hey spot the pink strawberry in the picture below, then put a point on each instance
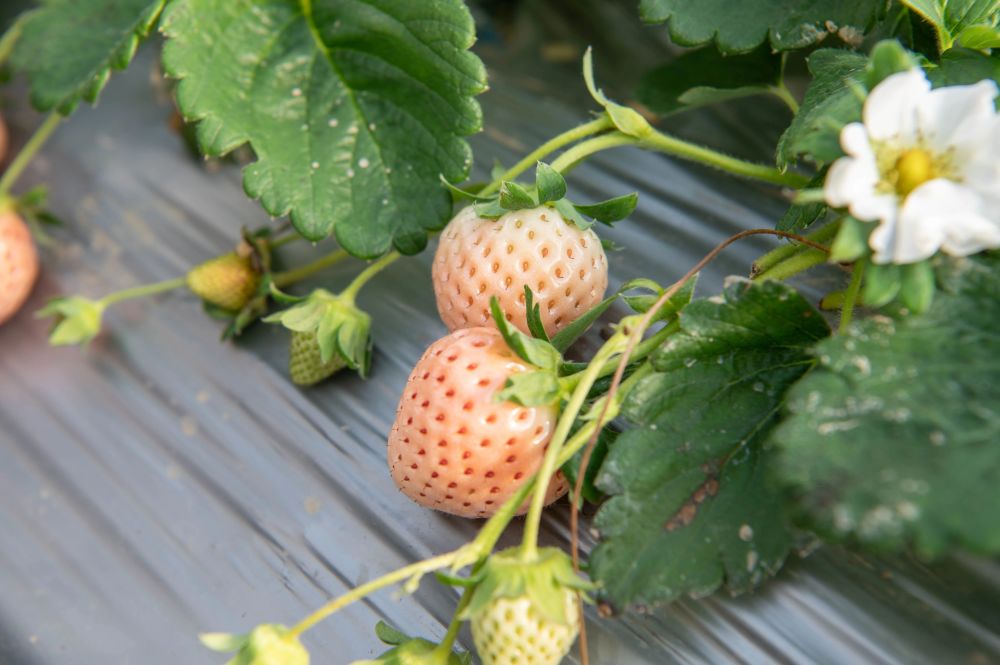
(478, 258)
(452, 447)
(18, 263)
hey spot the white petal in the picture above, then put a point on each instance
(883, 239)
(849, 179)
(854, 140)
(981, 171)
(957, 117)
(890, 111)
(941, 214)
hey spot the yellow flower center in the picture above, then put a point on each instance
(913, 168)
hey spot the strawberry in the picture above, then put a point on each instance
(453, 447)
(478, 258)
(525, 610)
(227, 281)
(305, 362)
(18, 263)
(267, 644)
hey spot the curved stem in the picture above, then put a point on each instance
(782, 92)
(443, 650)
(418, 568)
(367, 274)
(24, 157)
(9, 39)
(572, 136)
(282, 279)
(144, 290)
(529, 545)
(851, 297)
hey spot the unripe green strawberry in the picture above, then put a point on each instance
(305, 362)
(526, 611)
(227, 281)
(267, 644)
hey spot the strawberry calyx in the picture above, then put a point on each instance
(412, 651)
(267, 644)
(341, 329)
(543, 578)
(77, 319)
(549, 191)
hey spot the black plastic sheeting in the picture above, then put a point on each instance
(163, 484)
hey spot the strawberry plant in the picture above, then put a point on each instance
(713, 433)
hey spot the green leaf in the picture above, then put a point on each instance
(961, 66)
(892, 440)
(627, 120)
(353, 110)
(515, 197)
(550, 184)
(389, 635)
(78, 320)
(979, 37)
(69, 47)
(692, 502)
(738, 27)
(538, 352)
(887, 58)
(951, 17)
(831, 101)
(851, 242)
(610, 211)
(706, 76)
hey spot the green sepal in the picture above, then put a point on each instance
(627, 120)
(537, 388)
(282, 297)
(887, 58)
(533, 313)
(78, 320)
(550, 184)
(918, 286)
(459, 194)
(641, 303)
(537, 352)
(851, 243)
(267, 644)
(514, 197)
(610, 211)
(490, 209)
(411, 651)
(882, 284)
(341, 327)
(544, 580)
(565, 208)
(564, 339)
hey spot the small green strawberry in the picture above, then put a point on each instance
(227, 281)
(305, 362)
(338, 329)
(526, 611)
(412, 651)
(267, 644)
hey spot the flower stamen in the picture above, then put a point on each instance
(913, 168)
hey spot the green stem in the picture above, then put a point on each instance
(20, 162)
(284, 240)
(9, 39)
(782, 92)
(443, 650)
(794, 265)
(418, 568)
(282, 279)
(709, 157)
(529, 545)
(786, 251)
(643, 349)
(367, 274)
(143, 291)
(851, 297)
(569, 159)
(572, 136)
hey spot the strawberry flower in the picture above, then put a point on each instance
(923, 164)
